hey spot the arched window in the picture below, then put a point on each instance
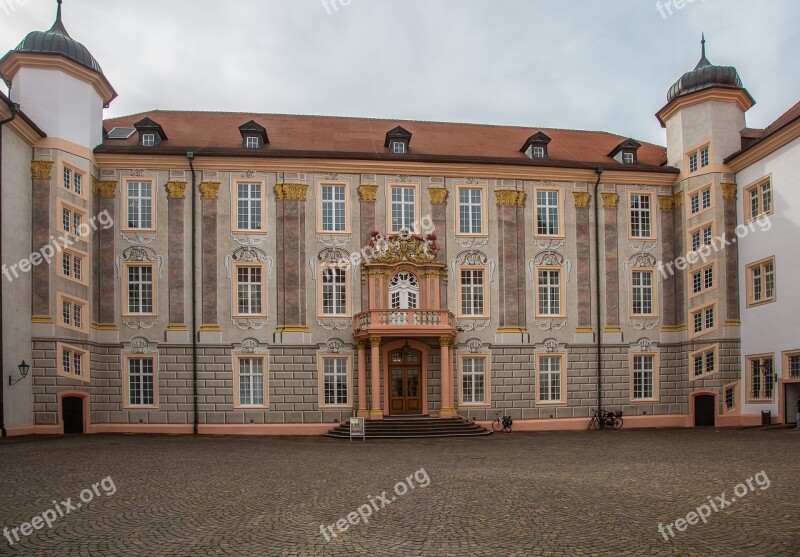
(404, 291)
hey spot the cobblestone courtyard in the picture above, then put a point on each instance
(569, 494)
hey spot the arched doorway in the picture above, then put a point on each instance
(72, 414)
(704, 410)
(405, 381)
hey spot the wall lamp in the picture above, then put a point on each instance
(23, 373)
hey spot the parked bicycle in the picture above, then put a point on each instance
(605, 420)
(503, 423)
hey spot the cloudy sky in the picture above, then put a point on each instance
(579, 64)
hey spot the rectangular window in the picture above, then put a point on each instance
(642, 293)
(695, 203)
(761, 377)
(472, 292)
(730, 398)
(706, 198)
(148, 140)
(473, 380)
(627, 158)
(253, 142)
(641, 205)
(67, 179)
(249, 290)
(335, 375)
(141, 382)
(704, 158)
(398, 147)
(643, 377)
(71, 220)
(704, 362)
(703, 320)
(251, 381)
(334, 291)
(758, 200)
(139, 200)
(703, 280)
(548, 292)
(537, 152)
(73, 362)
(761, 282)
(334, 208)
(72, 312)
(403, 208)
(249, 206)
(550, 378)
(548, 213)
(470, 211)
(72, 265)
(792, 365)
(693, 162)
(140, 289)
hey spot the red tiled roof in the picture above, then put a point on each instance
(757, 136)
(787, 117)
(218, 133)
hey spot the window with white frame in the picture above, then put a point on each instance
(548, 291)
(703, 280)
(73, 312)
(642, 292)
(472, 292)
(141, 382)
(334, 207)
(71, 220)
(72, 265)
(761, 282)
(251, 381)
(148, 139)
(550, 378)
(335, 374)
(73, 362)
(73, 180)
(252, 142)
(704, 158)
(703, 320)
(249, 206)
(140, 289)
(334, 291)
(758, 200)
(643, 377)
(139, 199)
(628, 158)
(641, 219)
(470, 210)
(473, 380)
(404, 207)
(704, 362)
(398, 147)
(249, 284)
(762, 377)
(548, 213)
(537, 152)
(693, 162)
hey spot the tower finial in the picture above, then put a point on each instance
(702, 42)
(58, 14)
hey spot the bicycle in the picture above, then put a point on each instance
(502, 424)
(605, 420)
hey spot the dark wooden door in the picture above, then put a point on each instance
(72, 414)
(704, 411)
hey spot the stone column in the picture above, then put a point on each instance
(103, 264)
(291, 201)
(209, 194)
(583, 266)
(731, 257)
(176, 201)
(368, 195)
(666, 204)
(376, 413)
(448, 409)
(610, 201)
(438, 195)
(510, 212)
(363, 410)
(680, 276)
(41, 172)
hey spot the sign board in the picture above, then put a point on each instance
(358, 428)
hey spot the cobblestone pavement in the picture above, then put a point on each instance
(559, 494)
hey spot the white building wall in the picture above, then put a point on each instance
(16, 223)
(62, 106)
(772, 328)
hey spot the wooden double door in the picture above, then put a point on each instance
(405, 382)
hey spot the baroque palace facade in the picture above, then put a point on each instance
(268, 274)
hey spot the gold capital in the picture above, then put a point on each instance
(176, 190)
(728, 191)
(360, 345)
(582, 198)
(666, 202)
(610, 200)
(41, 170)
(106, 189)
(209, 190)
(445, 341)
(368, 192)
(375, 341)
(291, 192)
(678, 200)
(438, 196)
(510, 197)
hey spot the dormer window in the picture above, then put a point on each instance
(151, 134)
(398, 141)
(254, 135)
(536, 146)
(626, 152)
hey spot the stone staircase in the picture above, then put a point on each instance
(413, 427)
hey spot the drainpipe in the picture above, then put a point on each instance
(190, 156)
(599, 171)
(14, 110)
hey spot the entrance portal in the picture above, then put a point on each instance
(704, 411)
(72, 414)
